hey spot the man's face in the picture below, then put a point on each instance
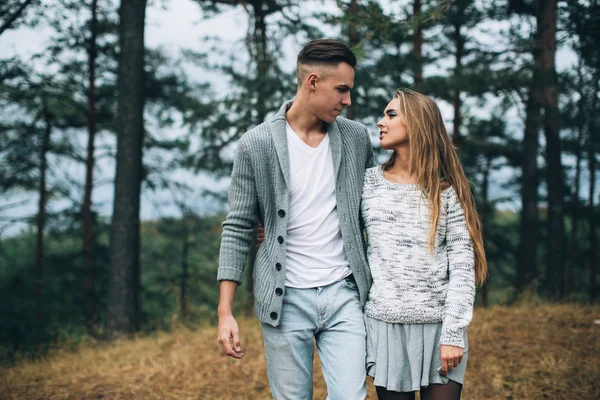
(331, 93)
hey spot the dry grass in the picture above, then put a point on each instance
(547, 352)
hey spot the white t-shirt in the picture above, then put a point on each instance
(315, 250)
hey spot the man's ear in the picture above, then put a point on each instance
(311, 81)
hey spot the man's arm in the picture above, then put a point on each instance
(236, 240)
(238, 227)
(228, 331)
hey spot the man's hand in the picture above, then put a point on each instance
(228, 333)
(229, 336)
(451, 357)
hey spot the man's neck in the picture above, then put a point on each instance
(302, 121)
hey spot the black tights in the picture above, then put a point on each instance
(449, 391)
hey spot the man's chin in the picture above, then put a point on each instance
(330, 119)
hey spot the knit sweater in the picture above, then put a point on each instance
(412, 285)
(260, 189)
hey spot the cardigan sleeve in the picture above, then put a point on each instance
(238, 227)
(370, 157)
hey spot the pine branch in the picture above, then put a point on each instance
(15, 16)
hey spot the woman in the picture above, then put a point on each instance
(425, 252)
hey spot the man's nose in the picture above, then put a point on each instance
(346, 100)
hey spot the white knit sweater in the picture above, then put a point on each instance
(410, 284)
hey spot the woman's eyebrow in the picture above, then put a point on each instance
(389, 111)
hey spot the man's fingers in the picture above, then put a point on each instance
(237, 345)
(226, 345)
(230, 343)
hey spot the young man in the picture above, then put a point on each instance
(301, 175)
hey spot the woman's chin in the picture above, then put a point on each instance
(384, 145)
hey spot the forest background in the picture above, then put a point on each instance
(119, 121)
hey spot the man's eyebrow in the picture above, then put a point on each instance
(343, 87)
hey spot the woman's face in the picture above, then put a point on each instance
(392, 131)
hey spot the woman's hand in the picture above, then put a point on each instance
(260, 236)
(451, 357)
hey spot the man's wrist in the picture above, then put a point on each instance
(224, 312)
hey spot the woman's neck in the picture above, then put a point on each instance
(400, 171)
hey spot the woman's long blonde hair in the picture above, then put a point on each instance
(435, 162)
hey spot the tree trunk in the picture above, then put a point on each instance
(528, 269)
(41, 219)
(262, 57)
(485, 217)
(555, 264)
(89, 285)
(418, 44)
(353, 41)
(573, 248)
(124, 273)
(592, 187)
(459, 43)
(184, 269)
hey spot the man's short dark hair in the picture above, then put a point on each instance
(326, 52)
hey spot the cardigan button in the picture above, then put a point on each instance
(274, 315)
(281, 213)
(278, 267)
(279, 291)
(280, 239)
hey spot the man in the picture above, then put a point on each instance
(301, 175)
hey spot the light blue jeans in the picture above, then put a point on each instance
(333, 317)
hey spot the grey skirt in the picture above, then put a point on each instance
(406, 357)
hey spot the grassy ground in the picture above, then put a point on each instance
(546, 352)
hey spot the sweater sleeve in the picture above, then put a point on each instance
(238, 227)
(458, 308)
(370, 157)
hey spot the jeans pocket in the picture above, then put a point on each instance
(350, 282)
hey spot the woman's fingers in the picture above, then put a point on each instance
(451, 356)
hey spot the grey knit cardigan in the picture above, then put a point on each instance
(259, 188)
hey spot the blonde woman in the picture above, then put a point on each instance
(425, 253)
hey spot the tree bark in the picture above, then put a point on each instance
(124, 273)
(528, 268)
(41, 219)
(456, 100)
(89, 285)
(573, 247)
(592, 189)
(418, 44)
(353, 41)
(555, 264)
(485, 217)
(184, 269)
(262, 57)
